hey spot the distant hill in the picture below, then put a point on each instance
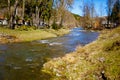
(70, 20)
(78, 18)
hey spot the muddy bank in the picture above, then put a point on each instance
(4, 38)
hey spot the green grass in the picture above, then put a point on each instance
(88, 62)
(33, 34)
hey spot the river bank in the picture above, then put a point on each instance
(29, 58)
(10, 36)
(99, 60)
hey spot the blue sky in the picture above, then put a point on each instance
(99, 6)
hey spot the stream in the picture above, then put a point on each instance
(23, 61)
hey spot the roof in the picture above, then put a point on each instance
(2, 17)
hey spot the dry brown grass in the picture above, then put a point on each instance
(91, 61)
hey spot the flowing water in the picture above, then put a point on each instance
(23, 61)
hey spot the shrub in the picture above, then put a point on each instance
(55, 26)
(26, 28)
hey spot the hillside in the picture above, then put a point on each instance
(99, 60)
(78, 18)
(69, 19)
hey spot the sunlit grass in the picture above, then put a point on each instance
(33, 34)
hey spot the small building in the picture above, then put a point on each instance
(3, 20)
(104, 23)
(107, 25)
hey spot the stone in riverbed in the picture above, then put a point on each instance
(28, 59)
(16, 67)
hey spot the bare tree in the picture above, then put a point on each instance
(88, 14)
(60, 7)
(92, 12)
(63, 6)
(101, 9)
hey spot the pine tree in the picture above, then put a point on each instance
(115, 15)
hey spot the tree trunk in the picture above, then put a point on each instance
(9, 6)
(9, 12)
(13, 15)
(61, 21)
(37, 21)
(23, 11)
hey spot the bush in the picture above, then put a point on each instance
(55, 26)
(26, 28)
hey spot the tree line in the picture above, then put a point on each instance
(45, 11)
(42, 10)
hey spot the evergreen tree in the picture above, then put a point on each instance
(109, 10)
(115, 15)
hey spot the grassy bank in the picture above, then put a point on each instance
(21, 36)
(99, 60)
